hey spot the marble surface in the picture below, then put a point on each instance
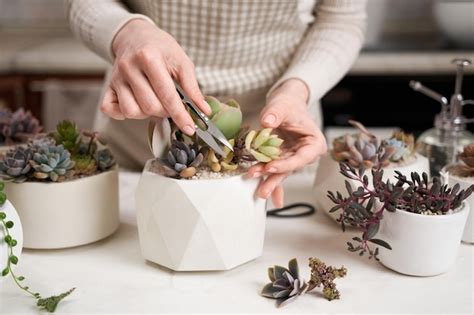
(43, 54)
(112, 277)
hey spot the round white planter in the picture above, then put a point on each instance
(422, 245)
(16, 232)
(193, 225)
(67, 214)
(451, 180)
(328, 178)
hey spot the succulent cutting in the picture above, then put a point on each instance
(365, 149)
(62, 155)
(187, 156)
(17, 127)
(466, 166)
(365, 206)
(286, 284)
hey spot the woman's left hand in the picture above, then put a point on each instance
(287, 112)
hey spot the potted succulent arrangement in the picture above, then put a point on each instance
(16, 128)
(362, 149)
(195, 209)
(64, 186)
(417, 222)
(462, 174)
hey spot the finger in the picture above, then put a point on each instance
(304, 156)
(278, 196)
(273, 114)
(188, 81)
(268, 185)
(164, 88)
(127, 103)
(110, 106)
(144, 94)
(256, 170)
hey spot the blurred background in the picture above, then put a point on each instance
(44, 69)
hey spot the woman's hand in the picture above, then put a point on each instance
(147, 61)
(287, 111)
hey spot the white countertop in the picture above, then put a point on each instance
(23, 52)
(112, 277)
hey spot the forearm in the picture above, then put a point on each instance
(96, 22)
(329, 48)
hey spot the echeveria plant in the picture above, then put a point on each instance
(17, 127)
(466, 166)
(365, 206)
(62, 155)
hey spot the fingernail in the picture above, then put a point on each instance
(188, 130)
(272, 170)
(269, 119)
(256, 174)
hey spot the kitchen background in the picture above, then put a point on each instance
(43, 68)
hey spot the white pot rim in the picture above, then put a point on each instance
(434, 217)
(113, 169)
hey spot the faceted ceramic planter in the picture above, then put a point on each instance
(328, 178)
(205, 224)
(422, 245)
(67, 214)
(464, 182)
(16, 232)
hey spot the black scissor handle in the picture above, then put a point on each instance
(288, 211)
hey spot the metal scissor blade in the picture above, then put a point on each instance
(217, 134)
(210, 141)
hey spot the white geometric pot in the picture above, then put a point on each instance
(67, 214)
(464, 183)
(422, 245)
(16, 232)
(205, 224)
(328, 178)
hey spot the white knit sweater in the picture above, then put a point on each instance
(240, 45)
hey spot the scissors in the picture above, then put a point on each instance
(211, 135)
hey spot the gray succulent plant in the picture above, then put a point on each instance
(104, 159)
(15, 165)
(181, 160)
(18, 127)
(52, 162)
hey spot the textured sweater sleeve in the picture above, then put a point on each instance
(96, 22)
(329, 47)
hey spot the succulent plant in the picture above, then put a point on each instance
(52, 162)
(226, 116)
(84, 164)
(15, 165)
(262, 146)
(286, 284)
(68, 135)
(361, 149)
(18, 127)
(181, 160)
(322, 275)
(403, 145)
(466, 167)
(364, 207)
(104, 159)
(226, 163)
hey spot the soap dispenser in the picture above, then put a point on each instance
(442, 143)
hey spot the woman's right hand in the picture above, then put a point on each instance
(147, 60)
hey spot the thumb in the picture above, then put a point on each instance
(273, 114)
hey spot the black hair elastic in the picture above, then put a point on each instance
(288, 211)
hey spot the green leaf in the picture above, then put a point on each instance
(5, 272)
(2, 186)
(279, 271)
(372, 230)
(381, 243)
(20, 278)
(8, 239)
(3, 215)
(14, 260)
(271, 274)
(3, 198)
(51, 303)
(9, 224)
(268, 290)
(293, 267)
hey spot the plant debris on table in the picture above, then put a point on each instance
(286, 284)
(50, 303)
(364, 207)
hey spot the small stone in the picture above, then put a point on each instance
(216, 167)
(188, 172)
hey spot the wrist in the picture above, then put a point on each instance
(294, 88)
(126, 32)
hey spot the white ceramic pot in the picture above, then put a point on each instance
(67, 214)
(464, 183)
(194, 225)
(422, 245)
(328, 178)
(16, 232)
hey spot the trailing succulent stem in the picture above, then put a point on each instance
(48, 304)
(364, 207)
(286, 284)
